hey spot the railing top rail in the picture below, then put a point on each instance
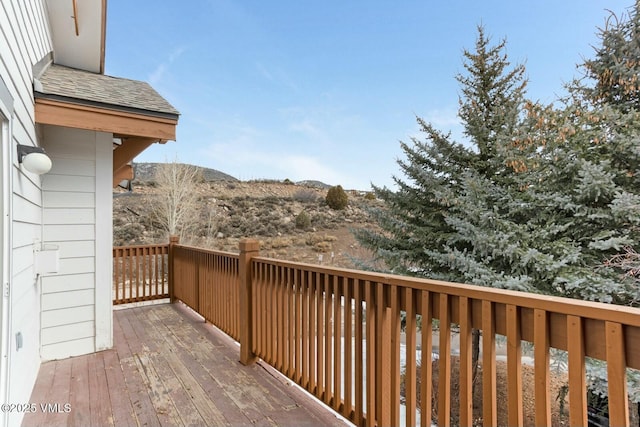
(208, 251)
(158, 245)
(569, 306)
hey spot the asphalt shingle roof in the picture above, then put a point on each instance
(114, 92)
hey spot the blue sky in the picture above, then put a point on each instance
(325, 90)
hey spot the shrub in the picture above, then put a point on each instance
(369, 196)
(305, 196)
(303, 221)
(337, 198)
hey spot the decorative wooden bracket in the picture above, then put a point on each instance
(125, 153)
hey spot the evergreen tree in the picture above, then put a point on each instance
(440, 223)
(436, 223)
(542, 198)
(616, 66)
(583, 165)
(544, 195)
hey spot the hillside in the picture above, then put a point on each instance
(231, 210)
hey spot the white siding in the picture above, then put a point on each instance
(77, 217)
(24, 40)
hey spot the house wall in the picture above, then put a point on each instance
(24, 41)
(76, 301)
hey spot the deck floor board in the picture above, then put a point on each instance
(169, 368)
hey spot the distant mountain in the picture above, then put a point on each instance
(314, 184)
(145, 172)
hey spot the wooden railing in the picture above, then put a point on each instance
(208, 282)
(140, 273)
(337, 333)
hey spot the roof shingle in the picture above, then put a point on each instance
(114, 92)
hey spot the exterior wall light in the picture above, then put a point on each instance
(34, 159)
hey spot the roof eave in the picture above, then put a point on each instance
(120, 121)
(106, 106)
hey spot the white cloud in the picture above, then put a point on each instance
(443, 119)
(277, 75)
(301, 167)
(264, 72)
(244, 159)
(158, 73)
(307, 128)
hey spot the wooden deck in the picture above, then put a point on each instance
(168, 368)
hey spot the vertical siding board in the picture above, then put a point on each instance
(23, 41)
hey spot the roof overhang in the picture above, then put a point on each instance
(78, 33)
(135, 130)
(121, 123)
(132, 111)
(75, 93)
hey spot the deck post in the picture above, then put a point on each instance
(249, 248)
(173, 240)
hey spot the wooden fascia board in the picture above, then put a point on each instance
(58, 113)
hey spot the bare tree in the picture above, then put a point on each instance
(176, 208)
(629, 262)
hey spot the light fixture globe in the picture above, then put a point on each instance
(38, 163)
(34, 159)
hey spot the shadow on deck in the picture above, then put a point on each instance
(168, 368)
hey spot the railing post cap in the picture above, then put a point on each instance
(174, 239)
(249, 245)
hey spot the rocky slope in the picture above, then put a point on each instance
(230, 210)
